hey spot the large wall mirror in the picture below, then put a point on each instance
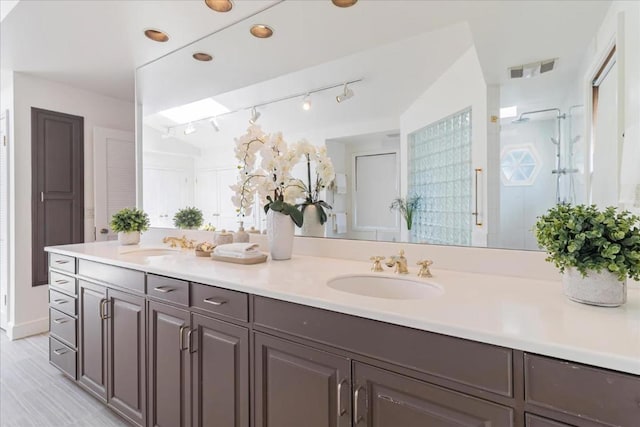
(477, 108)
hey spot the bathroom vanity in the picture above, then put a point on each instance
(168, 339)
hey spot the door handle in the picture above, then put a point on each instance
(356, 415)
(190, 340)
(163, 289)
(60, 321)
(341, 411)
(104, 231)
(215, 301)
(42, 196)
(103, 309)
(181, 337)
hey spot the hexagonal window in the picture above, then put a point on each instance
(519, 165)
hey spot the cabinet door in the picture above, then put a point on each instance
(92, 343)
(296, 385)
(169, 366)
(127, 356)
(385, 399)
(220, 363)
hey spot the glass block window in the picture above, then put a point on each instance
(519, 165)
(440, 172)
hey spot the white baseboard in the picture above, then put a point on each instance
(22, 330)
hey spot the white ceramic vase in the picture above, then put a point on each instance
(602, 289)
(129, 238)
(280, 231)
(311, 226)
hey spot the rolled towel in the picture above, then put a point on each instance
(238, 250)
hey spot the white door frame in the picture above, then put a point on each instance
(5, 293)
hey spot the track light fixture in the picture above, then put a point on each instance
(346, 94)
(255, 115)
(189, 129)
(214, 124)
(306, 104)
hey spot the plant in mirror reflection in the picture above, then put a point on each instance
(407, 208)
(324, 175)
(272, 180)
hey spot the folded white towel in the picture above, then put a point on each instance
(238, 250)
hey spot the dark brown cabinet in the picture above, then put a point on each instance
(112, 349)
(385, 399)
(169, 366)
(220, 365)
(296, 385)
(92, 346)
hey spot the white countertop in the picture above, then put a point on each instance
(529, 315)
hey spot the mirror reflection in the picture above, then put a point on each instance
(471, 113)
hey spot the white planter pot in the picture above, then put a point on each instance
(602, 289)
(280, 230)
(311, 226)
(129, 238)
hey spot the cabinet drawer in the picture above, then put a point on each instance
(62, 283)
(168, 289)
(535, 421)
(63, 327)
(62, 262)
(118, 276)
(63, 357)
(220, 301)
(62, 302)
(482, 366)
(585, 392)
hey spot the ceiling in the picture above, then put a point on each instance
(97, 44)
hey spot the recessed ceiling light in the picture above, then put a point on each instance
(344, 3)
(156, 35)
(261, 31)
(201, 56)
(219, 5)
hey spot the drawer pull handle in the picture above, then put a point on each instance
(61, 282)
(60, 321)
(356, 395)
(163, 289)
(60, 301)
(62, 261)
(61, 351)
(341, 410)
(215, 301)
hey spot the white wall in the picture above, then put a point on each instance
(6, 231)
(30, 313)
(461, 86)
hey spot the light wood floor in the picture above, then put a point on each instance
(35, 394)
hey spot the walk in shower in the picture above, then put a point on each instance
(540, 166)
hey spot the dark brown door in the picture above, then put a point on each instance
(386, 399)
(220, 363)
(169, 366)
(57, 158)
(127, 355)
(296, 385)
(92, 343)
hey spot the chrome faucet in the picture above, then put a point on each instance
(399, 263)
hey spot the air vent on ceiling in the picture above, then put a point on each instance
(533, 69)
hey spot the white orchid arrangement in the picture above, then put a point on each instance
(272, 181)
(324, 175)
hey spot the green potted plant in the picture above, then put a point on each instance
(407, 208)
(129, 223)
(595, 250)
(188, 218)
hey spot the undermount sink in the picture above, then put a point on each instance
(148, 251)
(371, 285)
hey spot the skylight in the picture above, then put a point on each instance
(194, 111)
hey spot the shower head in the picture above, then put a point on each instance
(520, 120)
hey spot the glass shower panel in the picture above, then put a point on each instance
(440, 172)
